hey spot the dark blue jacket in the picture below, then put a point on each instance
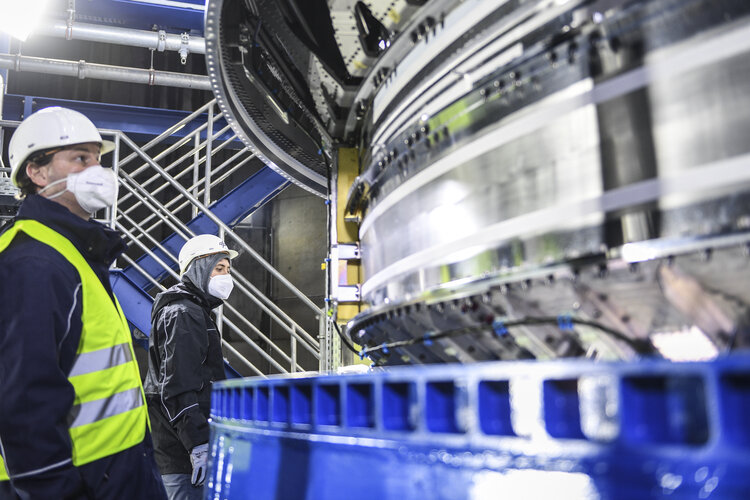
(40, 328)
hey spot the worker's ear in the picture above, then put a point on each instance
(39, 174)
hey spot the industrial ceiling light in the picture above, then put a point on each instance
(18, 19)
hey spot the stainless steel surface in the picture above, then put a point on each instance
(554, 171)
(622, 143)
(522, 161)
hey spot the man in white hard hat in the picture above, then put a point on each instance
(184, 359)
(73, 419)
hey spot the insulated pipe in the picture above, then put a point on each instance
(82, 69)
(157, 40)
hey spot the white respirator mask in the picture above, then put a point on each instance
(95, 188)
(220, 286)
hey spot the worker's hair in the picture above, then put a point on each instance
(40, 158)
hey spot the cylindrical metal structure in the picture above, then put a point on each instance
(527, 156)
(540, 178)
(157, 40)
(83, 69)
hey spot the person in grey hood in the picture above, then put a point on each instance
(184, 359)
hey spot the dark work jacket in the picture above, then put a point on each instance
(184, 359)
(40, 329)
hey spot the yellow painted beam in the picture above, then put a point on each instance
(348, 171)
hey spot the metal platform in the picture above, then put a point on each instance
(531, 430)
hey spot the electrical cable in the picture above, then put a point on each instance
(564, 322)
(343, 338)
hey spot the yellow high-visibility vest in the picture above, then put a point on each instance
(109, 410)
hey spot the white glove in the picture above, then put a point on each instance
(199, 460)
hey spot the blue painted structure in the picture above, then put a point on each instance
(532, 430)
(135, 303)
(231, 209)
(137, 122)
(140, 15)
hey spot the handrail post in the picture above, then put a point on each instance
(324, 341)
(209, 152)
(220, 307)
(196, 170)
(293, 347)
(116, 170)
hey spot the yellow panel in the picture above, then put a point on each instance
(353, 276)
(348, 171)
(345, 312)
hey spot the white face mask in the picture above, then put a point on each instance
(220, 286)
(94, 188)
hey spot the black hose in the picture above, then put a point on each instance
(343, 339)
(640, 346)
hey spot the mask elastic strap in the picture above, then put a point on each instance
(52, 184)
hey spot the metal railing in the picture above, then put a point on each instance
(143, 195)
(195, 152)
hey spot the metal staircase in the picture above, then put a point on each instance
(166, 188)
(176, 200)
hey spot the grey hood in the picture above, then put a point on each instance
(198, 275)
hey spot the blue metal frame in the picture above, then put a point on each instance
(231, 209)
(531, 430)
(135, 303)
(139, 15)
(137, 122)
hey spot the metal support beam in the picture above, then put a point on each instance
(172, 16)
(138, 122)
(135, 302)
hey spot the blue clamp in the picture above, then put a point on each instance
(384, 348)
(565, 322)
(427, 338)
(361, 354)
(499, 328)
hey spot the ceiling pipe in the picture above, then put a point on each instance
(157, 40)
(82, 69)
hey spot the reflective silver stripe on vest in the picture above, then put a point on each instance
(95, 361)
(93, 411)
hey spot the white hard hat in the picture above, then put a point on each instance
(200, 246)
(50, 128)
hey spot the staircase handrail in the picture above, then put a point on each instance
(228, 231)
